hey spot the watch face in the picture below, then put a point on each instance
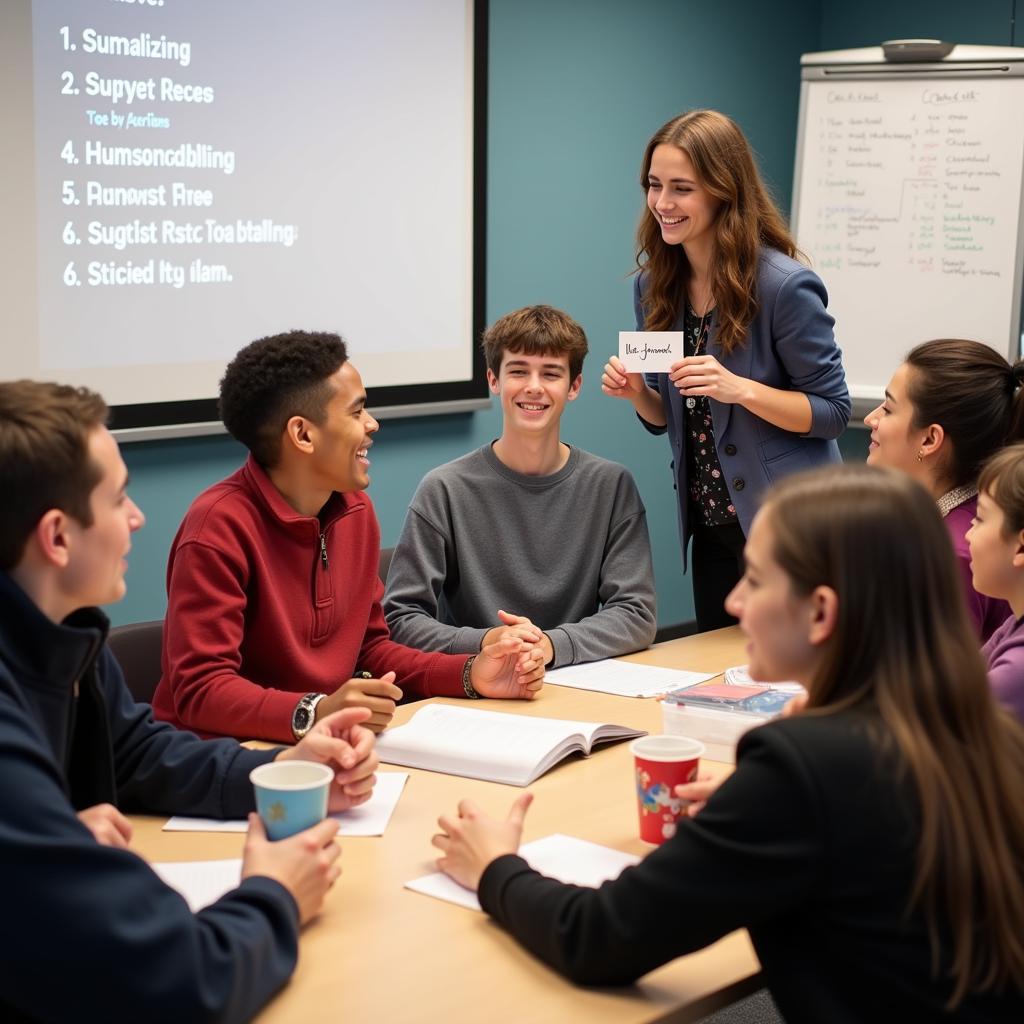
(300, 720)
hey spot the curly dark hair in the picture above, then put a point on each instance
(273, 379)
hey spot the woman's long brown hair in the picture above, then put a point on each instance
(747, 220)
(904, 651)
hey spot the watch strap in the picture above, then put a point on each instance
(467, 685)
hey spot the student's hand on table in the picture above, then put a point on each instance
(617, 383)
(705, 375)
(522, 628)
(698, 792)
(379, 695)
(471, 840)
(508, 668)
(342, 742)
(306, 864)
(108, 825)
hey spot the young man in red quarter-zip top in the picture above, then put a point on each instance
(273, 616)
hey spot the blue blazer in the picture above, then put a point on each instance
(789, 345)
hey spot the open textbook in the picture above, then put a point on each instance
(490, 745)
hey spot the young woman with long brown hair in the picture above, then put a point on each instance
(873, 843)
(948, 408)
(760, 392)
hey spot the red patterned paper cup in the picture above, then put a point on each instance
(662, 763)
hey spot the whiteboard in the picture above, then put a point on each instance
(907, 201)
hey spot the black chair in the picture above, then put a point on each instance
(386, 555)
(137, 649)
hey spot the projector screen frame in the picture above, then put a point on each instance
(188, 417)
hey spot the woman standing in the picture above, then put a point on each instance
(949, 407)
(872, 844)
(761, 391)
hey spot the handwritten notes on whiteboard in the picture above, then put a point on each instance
(908, 205)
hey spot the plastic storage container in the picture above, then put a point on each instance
(718, 730)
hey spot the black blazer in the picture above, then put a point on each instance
(810, 845)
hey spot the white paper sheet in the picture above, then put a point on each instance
(201, 882)
(558, 856)
(369, 819)
(650, 351)
(625, 678)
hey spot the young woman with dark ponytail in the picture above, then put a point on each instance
(948, 408)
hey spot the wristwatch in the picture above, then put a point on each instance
(304, 715)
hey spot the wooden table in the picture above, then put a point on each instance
(381, 953)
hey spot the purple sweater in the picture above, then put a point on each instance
(1004, 656)
(987, 613)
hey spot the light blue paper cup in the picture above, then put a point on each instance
(291, 796)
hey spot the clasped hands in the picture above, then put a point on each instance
(519, 627)
(510, 664)
(511, 659)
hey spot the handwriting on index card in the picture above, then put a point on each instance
(650, 351)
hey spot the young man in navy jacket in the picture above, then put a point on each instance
(76, 752)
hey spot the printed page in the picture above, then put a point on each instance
(369, 819)
(566, 858)
(201, 882)
(624, 679)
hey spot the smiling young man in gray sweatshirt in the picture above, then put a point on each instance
(527, 535)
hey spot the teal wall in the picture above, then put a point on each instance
(575, 91)
(981, 22)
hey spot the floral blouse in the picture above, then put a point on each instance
(709, 499)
